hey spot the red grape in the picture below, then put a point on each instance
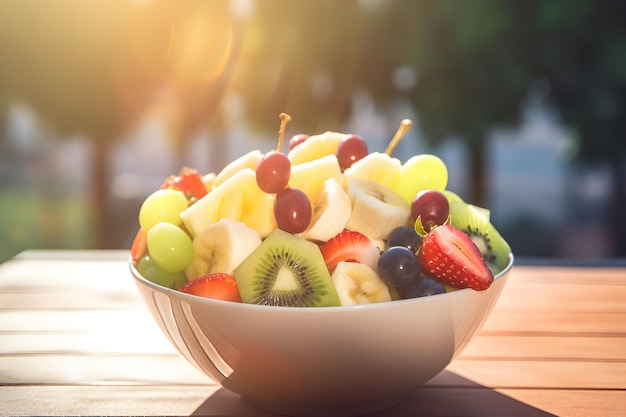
(292, 210)
(351, 149)
(297, 139)
(273, 172)
(432, 207)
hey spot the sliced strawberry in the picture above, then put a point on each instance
(217, 286)
(189, 181)
(349, 246)
(140, 245)
(450, 256)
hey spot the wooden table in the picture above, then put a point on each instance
(75, 339)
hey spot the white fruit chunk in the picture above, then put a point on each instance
(310, 176)
(357, 283)
(238, 198)
(248, 160)
(331, 212)
(377, 167)
(376, 209)
(221, 247)
(315, 147)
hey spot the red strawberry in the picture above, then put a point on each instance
(140, 245)
(449, 255)
(189, 181)
(217, 286)
(349, 246)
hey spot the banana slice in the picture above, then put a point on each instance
(249, 160)
(221, 247)
(331, 212)
(316, 147)
(310, 176)
(376, 209)
(238, 198)
(377, 167)
(208, 180)
(357, 283)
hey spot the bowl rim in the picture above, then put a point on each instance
(190, 297)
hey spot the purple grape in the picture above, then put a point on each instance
(398, 266)
(405, 236)
(423, 287)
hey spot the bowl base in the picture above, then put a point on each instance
(332, 410)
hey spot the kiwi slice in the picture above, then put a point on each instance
(455, 198)
(452, 197)
(286, 270)
(475, 222)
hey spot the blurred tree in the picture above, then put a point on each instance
(580, 49)
(477, 59)
(94, 68)
(313, 56)
(469, 58)
(302, 58)
(475, 63)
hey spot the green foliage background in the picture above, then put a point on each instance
(475, 61)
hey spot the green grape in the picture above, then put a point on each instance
(151, 271)
(170, 247)
(421, 172)
(143, 264)
(173, 280)
(162, 206)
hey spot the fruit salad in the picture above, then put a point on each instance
(325, 222)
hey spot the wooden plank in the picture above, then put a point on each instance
(211, 401)
(555, 344)
(98, 369)
(169, 369)
(174, 400)
(553, 374)
(555, 323)
(92, 255)
(568, 275)
(561, 297)
(104, 332)
(70, 300)
(102, 343)
(63, 275)
(573, 403)
(106, 329)
(557, 348)
(90, 321)
(64, 285)
(561, 301)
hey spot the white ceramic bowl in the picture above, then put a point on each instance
(321, 361)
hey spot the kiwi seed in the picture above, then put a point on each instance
(286, 270)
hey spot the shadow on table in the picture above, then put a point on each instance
(448, 394)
